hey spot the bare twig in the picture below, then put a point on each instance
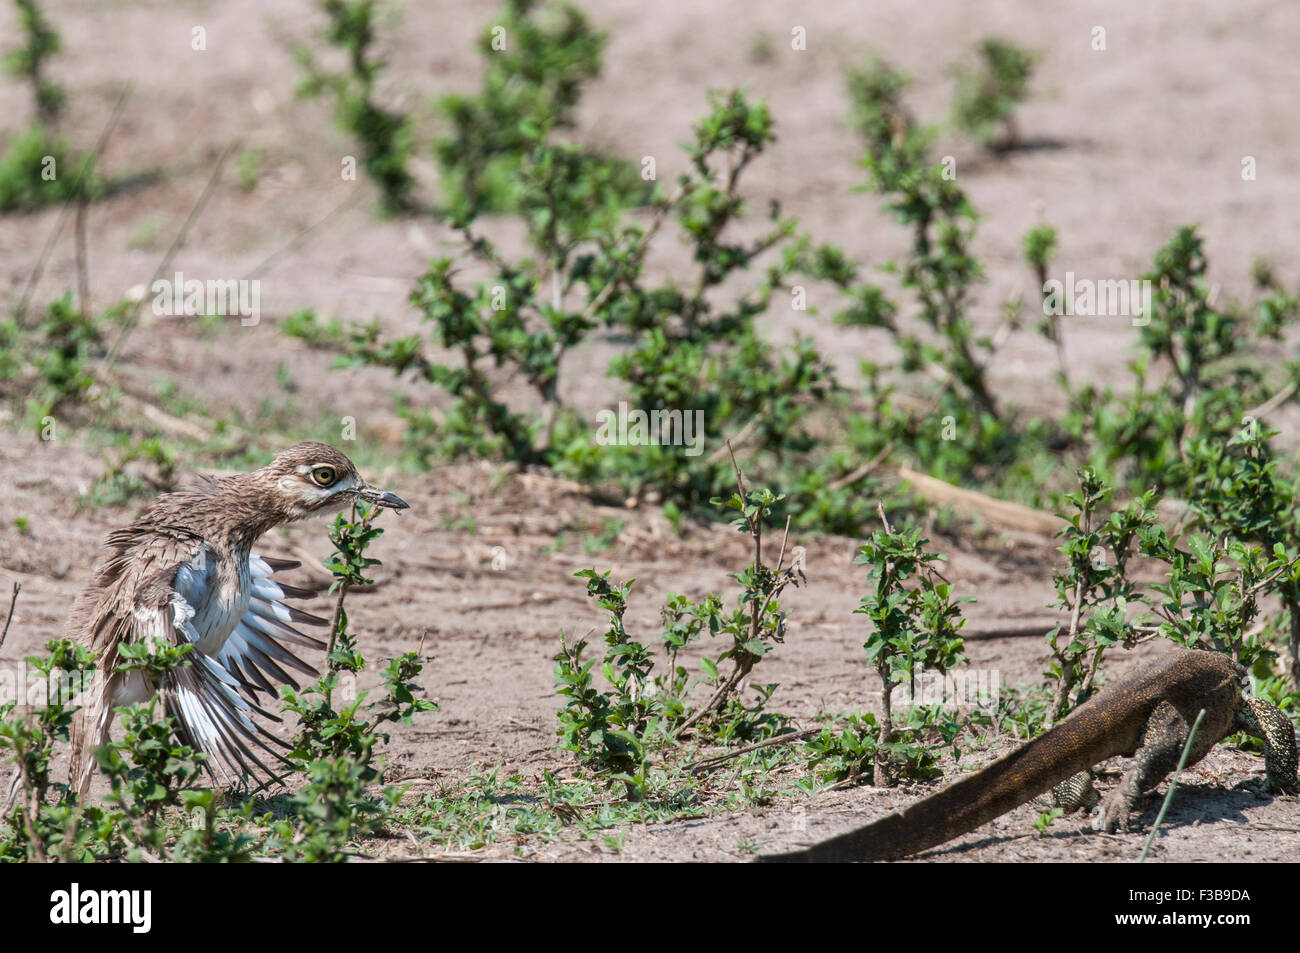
(1265, 583)
(303, 234)
(448, 857)
(740, 480)
(854, 476)
(780, 558)
(884, 520)
(1274, 402)
(13, 599)
(132, 317)
(34, 278)
(716, 761)
(1008, 632)
(83, 262)
(736, 440)
(726, 688)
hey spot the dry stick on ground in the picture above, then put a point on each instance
(132, 317)
(712, 762)
(35, 277)
(1008, 632)
(972, 503)
(175, 426)
(854, 476)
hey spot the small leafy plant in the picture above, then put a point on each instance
(615, 729)
(334, 746)
(30, 60)
(1095, 590)
(384, 136)
(35, 826)
(914, 629)
(984, 104)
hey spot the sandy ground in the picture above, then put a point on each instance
(1131, 142)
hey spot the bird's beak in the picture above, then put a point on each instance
(372, 494)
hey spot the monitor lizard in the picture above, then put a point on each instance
(1147, 714)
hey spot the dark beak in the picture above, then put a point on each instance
(372, 494)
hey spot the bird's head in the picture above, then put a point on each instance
(313, 478)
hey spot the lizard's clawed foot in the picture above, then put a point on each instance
(1262, 787)
(1114, 815)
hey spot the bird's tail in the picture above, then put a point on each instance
(1074, 745)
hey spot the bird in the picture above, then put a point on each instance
(185, 571)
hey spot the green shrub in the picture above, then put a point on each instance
(38, 170)
(986, 98)
(538, 57)
(29, 60)
(914, 630)
(384, 136)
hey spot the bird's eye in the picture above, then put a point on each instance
(324, 476)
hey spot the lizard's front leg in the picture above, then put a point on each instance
(1076, 793)
(1162, 745)
(1264, 721)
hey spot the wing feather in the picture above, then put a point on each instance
(153, 589)
(254, 654)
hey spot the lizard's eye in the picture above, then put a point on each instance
(324, 476)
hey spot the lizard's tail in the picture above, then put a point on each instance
(1074, 745)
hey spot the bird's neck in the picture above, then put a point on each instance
(248, 510)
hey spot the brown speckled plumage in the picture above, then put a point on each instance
(1148, 715)
(185, 571)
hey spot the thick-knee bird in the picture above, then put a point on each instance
(185, 572)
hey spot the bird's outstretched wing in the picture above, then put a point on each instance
(158, 591)
(255, 649)
(214, 700)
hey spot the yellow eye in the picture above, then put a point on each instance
(324, 476)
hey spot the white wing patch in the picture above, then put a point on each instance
(239, 634)
(254, 651)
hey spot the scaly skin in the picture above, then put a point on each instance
(1147, 715)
